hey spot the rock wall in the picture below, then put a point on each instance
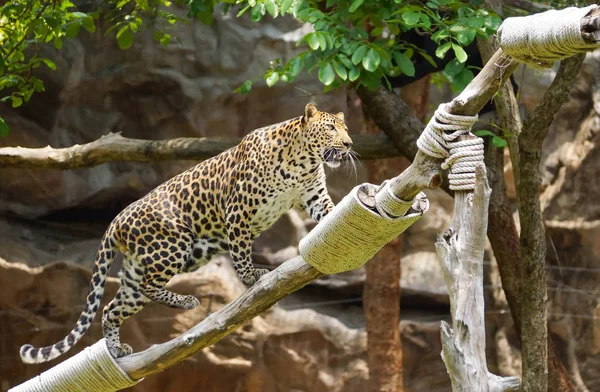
(51, 221)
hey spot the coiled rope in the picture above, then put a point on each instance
(541, 39)
(92, 370)
(441, 139)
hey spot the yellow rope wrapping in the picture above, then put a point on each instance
(92, 370)
(360, 232)
(541, 39)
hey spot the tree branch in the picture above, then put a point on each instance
(534, 331)
(114, 147)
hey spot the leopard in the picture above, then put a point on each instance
(219, 205)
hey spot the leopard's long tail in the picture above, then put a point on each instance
(104, 259)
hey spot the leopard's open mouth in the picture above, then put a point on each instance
(334, 157)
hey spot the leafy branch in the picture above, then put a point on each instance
(361, 42)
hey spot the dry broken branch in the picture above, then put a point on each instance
(114, 147)
(460, 250)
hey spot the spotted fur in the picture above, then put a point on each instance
(219, 205)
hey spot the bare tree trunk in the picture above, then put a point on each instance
(381, 298)
(381, 295)
(502, 230)
(534, 331)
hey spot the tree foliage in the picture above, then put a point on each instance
(362, 42)
(354, 41)
(26, 26)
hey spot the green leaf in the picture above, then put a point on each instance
(242, 11)
(257, 12)
(295, 66)
(49, 63)
(313, 41)
(354, 73)
(344, 60)
(492, 22)
(376, 31)
(322, 41)
(340, 70)
(371, 80)
(465, 37)
(484, 132)
(371, 60)
(272, 78)
(460, 81)
(441, 50)
(359, 54)
(425, 21)
(460, 53)
(165, 40)
(205, 17)
(244, 88)
(320, 24)
(88, 23)
(411, 18)
(72, 29)
(496, 140)
(355, 5)
(285, 6)
(406, 66)
(326, 74)
(125, 38)
(429, 59)
(57, 42)
(499, 142)
(453, 68)
(3, 128)
(16, 101)
(271, 8)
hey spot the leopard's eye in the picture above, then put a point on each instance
(332, 128)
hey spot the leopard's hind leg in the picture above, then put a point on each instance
(128, 301)
(161, 265)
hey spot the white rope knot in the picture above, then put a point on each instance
(541, 39)
(440, 140)
(92, 370)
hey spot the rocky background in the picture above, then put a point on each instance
(314, 340)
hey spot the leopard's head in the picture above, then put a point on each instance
(326, 135)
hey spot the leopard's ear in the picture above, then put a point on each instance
(309, 111)
(340, 115)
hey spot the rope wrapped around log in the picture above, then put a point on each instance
(92, 370)
(541, 39)
(361, 230)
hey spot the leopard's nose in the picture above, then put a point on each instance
(347, 144)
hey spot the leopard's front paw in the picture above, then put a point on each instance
(258, 272)
(253, 275)
(248, 279)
